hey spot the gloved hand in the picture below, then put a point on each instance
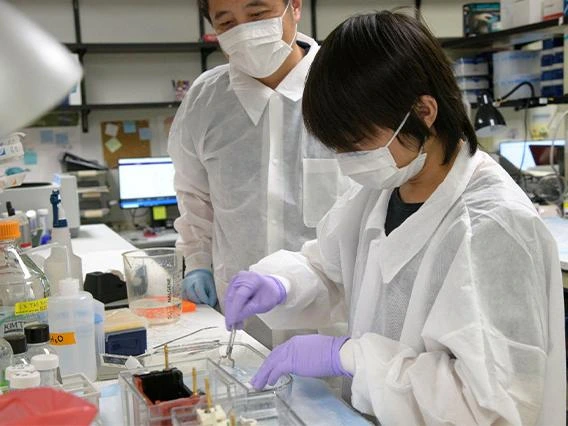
(250, 293)
(199, 287)
(312, 355)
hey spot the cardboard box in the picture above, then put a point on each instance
(479, 18)
(552, 9)
(516, 13)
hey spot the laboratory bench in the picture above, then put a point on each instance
(100, 249)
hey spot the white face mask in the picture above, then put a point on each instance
(256, 48)
(377, 168)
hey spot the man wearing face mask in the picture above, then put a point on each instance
(249, 179)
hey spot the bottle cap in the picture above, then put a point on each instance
(69, 287)
(25, 379)
(17, 368)
(17, 341)
(36, 333)
(45, 362)
(9, 229)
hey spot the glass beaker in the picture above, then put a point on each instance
(153, 283)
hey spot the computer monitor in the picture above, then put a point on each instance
(532, 155)
(146, 182)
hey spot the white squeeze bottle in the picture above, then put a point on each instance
(60, 260)
(72, 330)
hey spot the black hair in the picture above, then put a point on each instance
(370, 72)
(204, 8)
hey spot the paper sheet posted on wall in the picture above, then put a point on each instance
(145, 134)
(43, 148)
(111, 129)
(129, 126)
(30, 157)
(46, 136)
(61, 139)
(113, 145)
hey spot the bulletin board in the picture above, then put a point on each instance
(125, 139)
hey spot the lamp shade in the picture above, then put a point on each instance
(488, 120)
(36, 71)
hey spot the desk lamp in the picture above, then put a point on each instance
(488, 120)
(36, 71)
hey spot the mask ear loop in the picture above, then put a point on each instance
(397, 131)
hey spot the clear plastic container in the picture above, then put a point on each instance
(72, 329)
(266, 410)
(140, 411)
(23, 286)
(79, 385)
(247, 361)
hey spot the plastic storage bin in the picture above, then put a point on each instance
(247, 362)
(79, 385)
(138, 410)
(266, 410)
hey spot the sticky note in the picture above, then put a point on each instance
(30, 157)
(159, 213)
(46, 136)
(61, 139)
(111, 129)
(129, 127)
(145, 133)
(113, 145)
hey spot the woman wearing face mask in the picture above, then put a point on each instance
(249, 178)
(449, 279)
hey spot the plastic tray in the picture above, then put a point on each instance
(267, 410)
(79, 385)
(139, 411)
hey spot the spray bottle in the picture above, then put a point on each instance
(62, 262)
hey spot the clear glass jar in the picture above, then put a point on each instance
(37, 338)
(23, 286)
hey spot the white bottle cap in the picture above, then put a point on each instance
(17, 369)
(25, 379)
(45, 362)
(69, 287)
(43, 212)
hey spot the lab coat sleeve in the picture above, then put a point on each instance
(487, 340)
(314, 284)
(195, 223)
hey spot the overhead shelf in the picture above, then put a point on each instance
(532, 102)
(83, 48)
(506, 38)
(101, 107)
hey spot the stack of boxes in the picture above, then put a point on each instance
(513, 67)
(472, 76)
(552, 67)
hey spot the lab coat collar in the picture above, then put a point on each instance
(254, 96)
(401, 245)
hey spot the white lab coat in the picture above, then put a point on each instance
(249, 178)
(456, 317)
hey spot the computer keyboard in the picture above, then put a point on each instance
(160, 238)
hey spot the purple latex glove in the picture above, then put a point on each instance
(312, 355)
(250, 293)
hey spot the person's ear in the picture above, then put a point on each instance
(296, 6)
(427, 109)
